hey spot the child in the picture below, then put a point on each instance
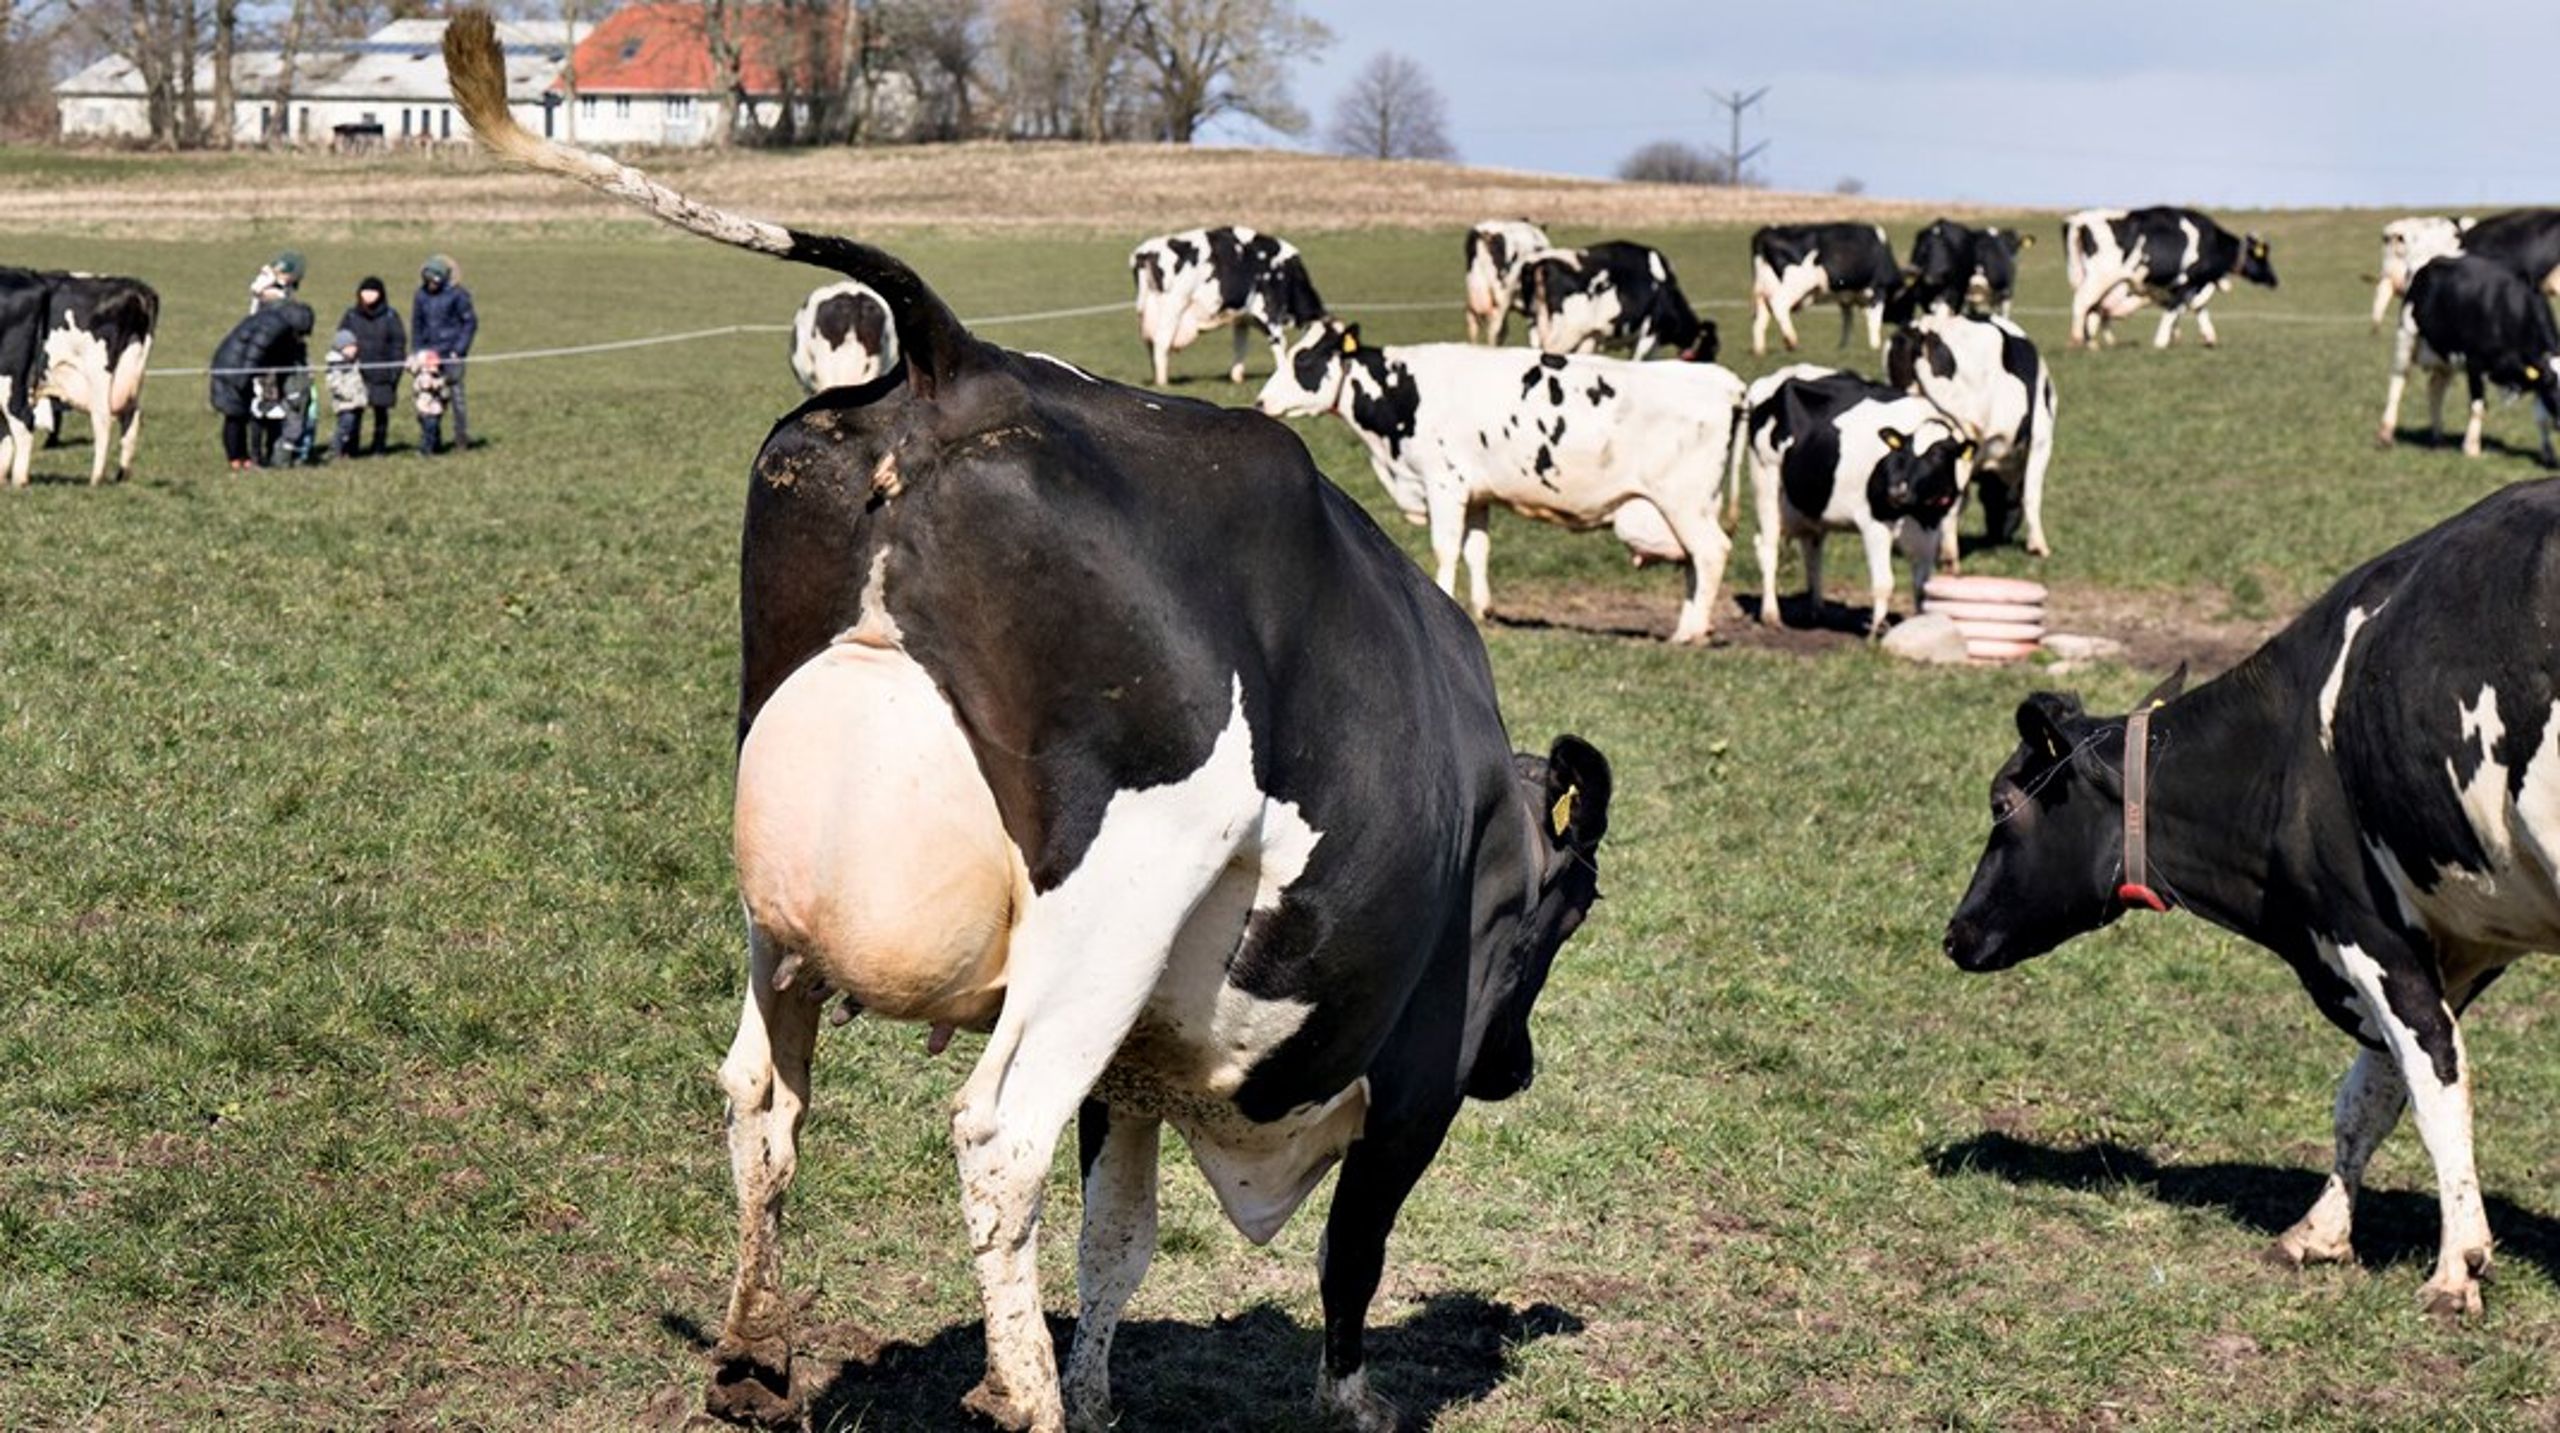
(429, 386)
(346, 391)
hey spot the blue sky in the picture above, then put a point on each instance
(2452, 103)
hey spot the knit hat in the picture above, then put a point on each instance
(288, 265)
(343, 338)
(373, 282)
(437, 266)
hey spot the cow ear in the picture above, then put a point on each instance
(2045, 723)
(2167, 691)
(2026, 241)
(1577, 796)
(1965, 454)
(1893, 441)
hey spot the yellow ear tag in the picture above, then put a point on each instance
(2532, 374)
(1561, 814)
(1893, 441)
(1350, 343)
(2052, 748)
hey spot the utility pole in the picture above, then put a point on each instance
(1735, 156)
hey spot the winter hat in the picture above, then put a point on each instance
(373, 282)
(288, 266)
(436, 267)
(343, 338)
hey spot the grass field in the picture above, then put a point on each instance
(368, 941)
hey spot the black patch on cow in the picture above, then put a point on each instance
(836, 316)
(1551, 360)
(2527, 241)
(1544, 464)
(1601, 392)
(1386, 407)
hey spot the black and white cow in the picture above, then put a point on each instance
(1612, 294)
(2408, 245)
(2474, 314)
(1212, 824)
(2525, 240)
(1455, 429)
(91, 347)
(1956, 269)
(1200, 279)
(2374, 796)
(842, 337)
(1985, 373)
(1850, 265)
(2176, 258)
(1831, 451)
(1496, 250)
(23, 295)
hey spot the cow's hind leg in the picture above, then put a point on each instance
(102, 440)
(1235, 370)
(1377, 1174)
(1119, 1152)
(2479, 411)
(2369, 1102)
(767, 1079)
(131, 444)
(1477, 547)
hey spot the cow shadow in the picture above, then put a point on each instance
(1588, 626)
(2392, 1226)
(1252, 1372)
(2451, 440)
(1799, 614)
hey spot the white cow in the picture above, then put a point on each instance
(1453, 429)
(1496, 249)
(842, 337)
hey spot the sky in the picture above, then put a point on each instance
(2438, 103)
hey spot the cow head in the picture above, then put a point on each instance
(2055, 859)
(2257, 262)
(1922, 473)
(1566, 793)
(1313, 377)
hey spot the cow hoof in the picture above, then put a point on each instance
(2471, 450)
(1094, 1417)
(751, 1384)
(2039, 549)
(2385, 438)
(2453, 1302)
(1351, 1403)
(2302, 1245)
(1006, 1411)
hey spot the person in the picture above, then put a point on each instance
(281, 274)
(262, 345)
(442, 322)
(348, 393)
(382, 348)
(428, 390)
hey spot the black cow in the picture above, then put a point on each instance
(1212, 821)
(91, 347)
(1614, 294)
(2525, 240)
(2371, 796)
(2473, 313)
(1955, 269)
(1794, 264)
(2176, 258)
(23, 296)
(1202, 279)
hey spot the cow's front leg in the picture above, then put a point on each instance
(2168, 331)
(1377, 1174)
(2404, 351)
(1764, 538)
(1119, 1154)
(1812, 544)
(766, 1076)
(1875, 325)
(1235, 370)
(1759, 319)
(1476, 547)
(1160, 352)
(2479, 411)
(2369, 1103)
(1950, 547)
(132, 442)
(2438, 380)
(1448, 531)
(1878, 543)
(102, 440)
(1784, 307)
(2204, 328)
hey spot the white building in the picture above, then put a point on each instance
(387, 88)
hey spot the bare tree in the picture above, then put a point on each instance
(1104, 31)
(721, 31)
(226, 29)
(1668, 161)
(1215, 57)
(1391, 111)
(288, 59)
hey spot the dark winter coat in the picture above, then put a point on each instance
(381, 345)
(443, 321)
(272, 338)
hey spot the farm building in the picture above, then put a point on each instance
(646, 75)
(389, 86)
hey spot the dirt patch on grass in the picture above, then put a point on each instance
(1008, 187)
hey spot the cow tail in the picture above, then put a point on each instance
(936, 342)
(1733, 437)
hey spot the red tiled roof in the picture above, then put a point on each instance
(660, 47)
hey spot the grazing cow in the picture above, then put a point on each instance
(91, 348)
(842, 337)
(1794, 264)
(1985, 373)
(1955, 269)
(1617, 293)
(2474, 314)
(1202, 279)
(1214, 824)
(2525, 240)
(1496, 249)
(1831, 451)
(1454, 429)
(2176, 258)
(2407, 245)
(2374, 796)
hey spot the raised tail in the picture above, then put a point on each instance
(932, 338)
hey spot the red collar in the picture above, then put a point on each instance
(2136, 888)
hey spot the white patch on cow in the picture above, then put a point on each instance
(821, 363)
(875, 627)
(2356, 618)
(75, 368)
(1060, 362)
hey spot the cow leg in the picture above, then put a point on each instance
(17, 442)
(1950, 548)
(1119, 1152)
(1812, 545)
(131, 444)
(1704, 540)
(1878, 542)
(2204, 326)
(1377, 1174)
(1476, 546)
(1847, 317)
(1160, 348)
(2369, 1103)
(1764, 537)
(1759, 320)
(2168, 331)
(2438, 380)
(1448, 530)
(766, 1076)
(1235, 370)
(2479, 410)
(2404, 351)
(1785, 311)
(1875, 325)
(102, 437)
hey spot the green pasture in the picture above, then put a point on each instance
(368, 942)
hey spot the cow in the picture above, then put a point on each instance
(1793, 264)
(1212, 824)
(1985, 374)
(2473, 313)
(1956, 269)
(23, 297)
(842, 337)
(2371, 796)
(1614, 294)
(1202, 279)
(1496, 249)
(2525, 240)
(2176, 258)
(1831, 451)
(2407, 246)
(1454, 429)
(90, 349)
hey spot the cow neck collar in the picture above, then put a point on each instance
(2135, 888)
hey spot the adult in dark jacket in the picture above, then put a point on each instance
(267, 344)
(382, 346)
(442, 321)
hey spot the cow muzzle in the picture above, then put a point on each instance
(1974, 950)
